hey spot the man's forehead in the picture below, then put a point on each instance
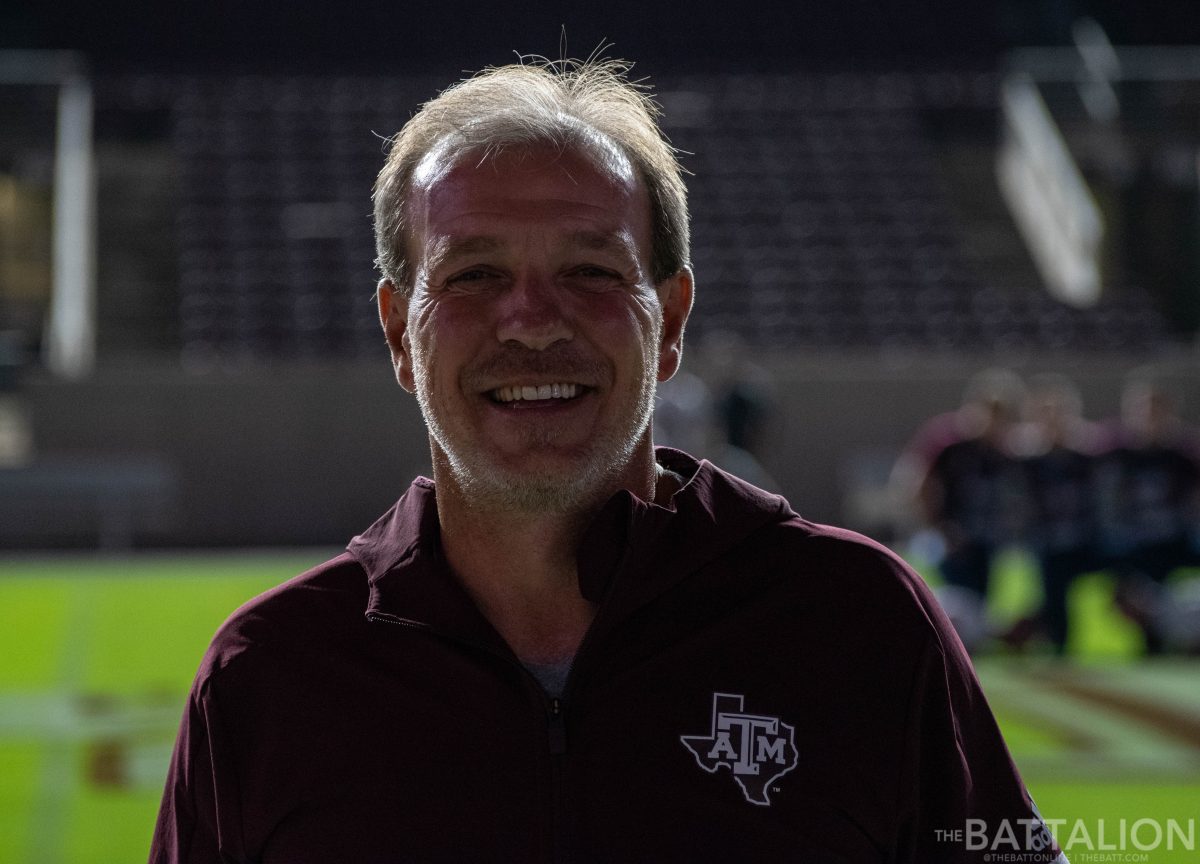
(464, 202)
(449, 245)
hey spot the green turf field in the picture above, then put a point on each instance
(98, 654)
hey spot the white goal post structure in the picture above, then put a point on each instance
(69, 344)
(1046, 193)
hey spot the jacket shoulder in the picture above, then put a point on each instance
(322, 603)
(852, 577)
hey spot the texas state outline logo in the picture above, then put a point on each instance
(758, 749)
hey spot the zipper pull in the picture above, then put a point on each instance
(558, 730)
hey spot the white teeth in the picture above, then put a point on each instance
(535, 394)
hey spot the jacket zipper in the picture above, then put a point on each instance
(558, 729)
(554, 712)
(558, 749)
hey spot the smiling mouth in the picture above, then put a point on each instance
(538, 393)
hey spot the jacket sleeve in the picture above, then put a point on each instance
(198, 818)
(962, 797)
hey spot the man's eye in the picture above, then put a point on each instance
(469, 276)
(472, 280)
(595, 275)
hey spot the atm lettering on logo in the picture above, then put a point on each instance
(758, 749)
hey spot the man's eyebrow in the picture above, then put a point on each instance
(447, 248)
(601, 241)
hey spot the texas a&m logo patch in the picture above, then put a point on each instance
(756, 748)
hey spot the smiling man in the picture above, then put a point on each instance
(532, 335)
(568, 645)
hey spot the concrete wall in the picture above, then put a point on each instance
(297, 454)
(287, 455)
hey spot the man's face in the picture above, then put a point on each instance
(534, 336)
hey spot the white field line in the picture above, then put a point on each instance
(1170, 681)
(62, 717)
(1125, 747)
(54, 788)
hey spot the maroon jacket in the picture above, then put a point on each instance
(754, 688)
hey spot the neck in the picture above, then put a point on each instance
(520, 566)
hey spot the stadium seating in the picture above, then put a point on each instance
(822, 217)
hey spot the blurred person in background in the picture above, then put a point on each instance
(968, 494)
(683, 413)
(570, 645)
(1057, 450)
(1149, 495)
(742, 407)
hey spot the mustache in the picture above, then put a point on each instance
(562, 362)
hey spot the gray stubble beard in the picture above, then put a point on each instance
(486, 487)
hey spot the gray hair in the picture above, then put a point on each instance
(565, 103)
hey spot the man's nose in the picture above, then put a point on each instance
(532, 313)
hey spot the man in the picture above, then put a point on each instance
(1057, 450)
(1149, 479)
(566, 646)
(965, 483)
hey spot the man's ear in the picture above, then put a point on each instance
(393, 315)
(675, 296)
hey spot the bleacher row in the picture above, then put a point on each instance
(821, 217)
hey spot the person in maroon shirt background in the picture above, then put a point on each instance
(1149, 493)
(1057, 450)
(960, 476)
(569, 646)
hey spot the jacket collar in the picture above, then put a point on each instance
(631, 552)
(409, 580)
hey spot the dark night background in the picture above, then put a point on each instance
(699, 35)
